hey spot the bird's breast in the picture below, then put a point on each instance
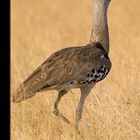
(95, 75)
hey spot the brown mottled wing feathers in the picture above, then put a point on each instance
(63, 66)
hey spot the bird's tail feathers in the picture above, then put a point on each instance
(21, 94)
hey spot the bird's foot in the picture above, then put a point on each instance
(55, 111)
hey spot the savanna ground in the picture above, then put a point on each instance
(112, 110)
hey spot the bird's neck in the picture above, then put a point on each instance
(100, 25)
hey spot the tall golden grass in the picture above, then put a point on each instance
(112, 110)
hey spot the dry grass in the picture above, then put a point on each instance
(112, 110)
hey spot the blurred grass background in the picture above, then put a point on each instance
(112, 110)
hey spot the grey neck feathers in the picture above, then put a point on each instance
(100, 25)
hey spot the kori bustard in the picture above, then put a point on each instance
(74, 67)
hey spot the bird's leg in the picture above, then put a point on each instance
(84, 93)
(55, 106)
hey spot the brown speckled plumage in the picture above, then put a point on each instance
(64, 66)
(75, 67)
